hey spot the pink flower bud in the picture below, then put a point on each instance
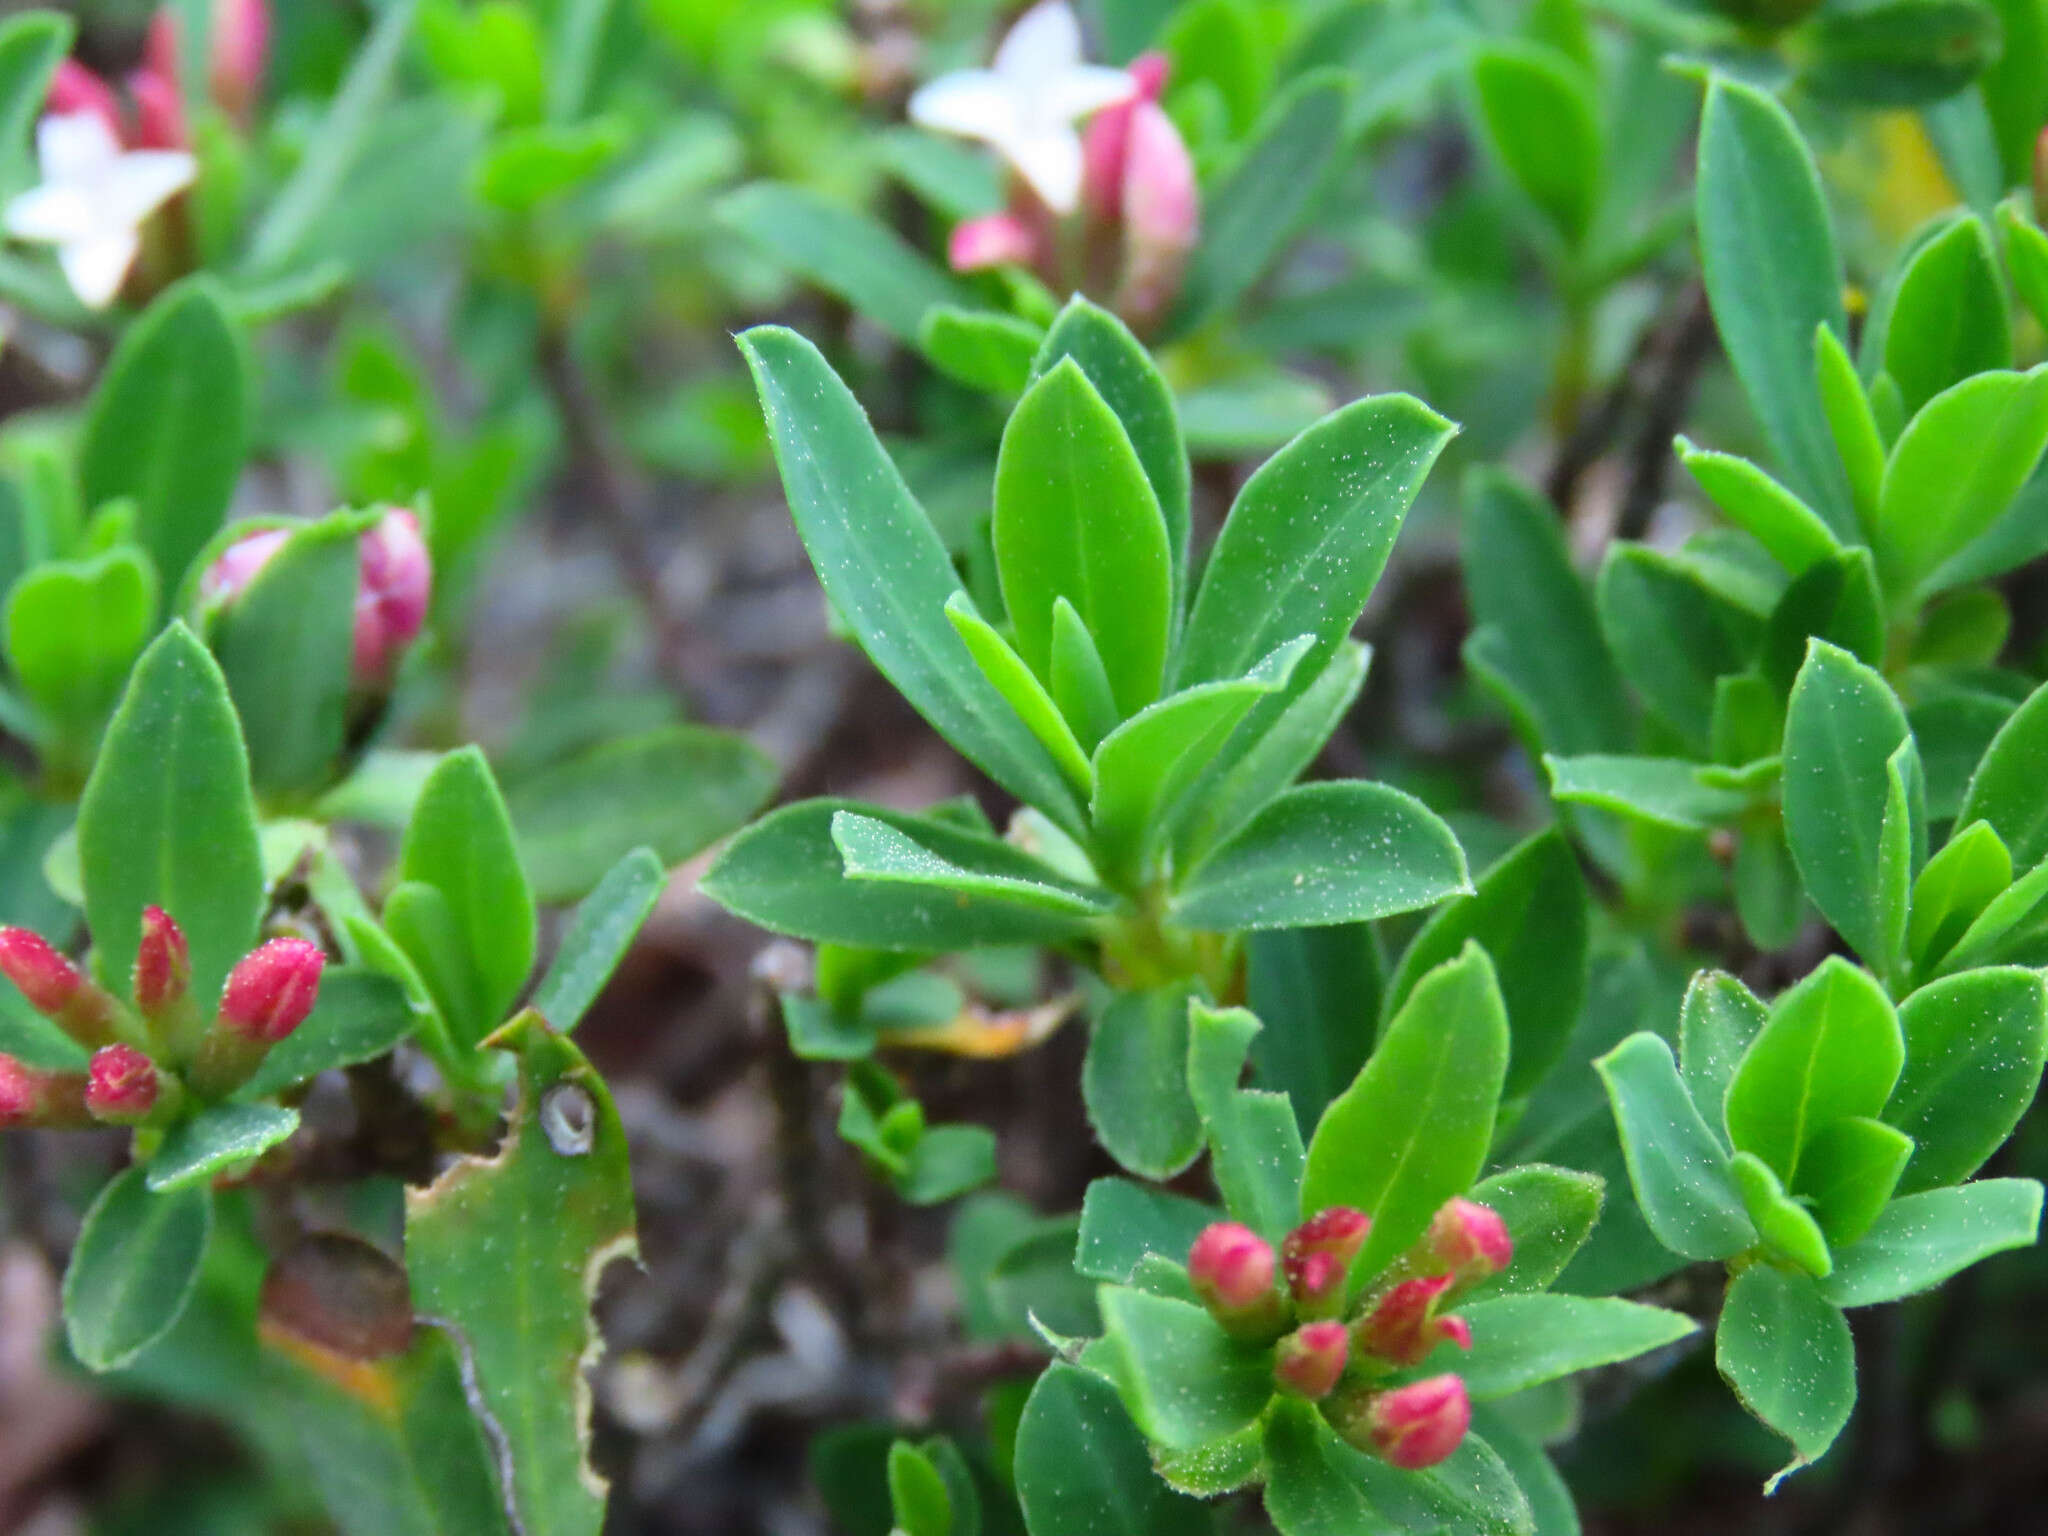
(1231, 1267)
(159, 111)
(1403, 1326)
(1468, 1240)
(1418, 1425)
(1309, 1360)
(1105, 141)
(238, 52)
(239, 564)
(271, 990)
(31, 1097)
(163, 964)
(1162, 216)
(55, 987)
(74, 88)
(121, 1085)
(994, 240)
(396, 585)
(1317, 1256)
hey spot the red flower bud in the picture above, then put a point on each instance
(159, 110)
(994, 240)
(1309, 1360)
(1403, 1326)
(1317, 1256)
(1232, 1268)
(163, 964)
(238, 565)
(392, 594)
(1106, 140)
(121, 1085)
(32, 1097)
(238, 51)
(1468, 1240)
(1418, 1425)
(74, 88)
(1162, 215)
(55, 987)
(271, 990)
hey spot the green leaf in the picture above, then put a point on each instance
(1319, 1486)
(73, 627)
(1786, 1226)
(1549, 1212)
(1832, 1049)
(1953, 890)
(1185, 1381)
(1078, 680)
(1325, 853)
(1529, 913)
(785, 873)
(599, 936)
(460, 843)
(1921, 1240)
(1251, 212)
(1718, 1022)
(1663, 791)
(677, 790)
(1124, 374)
(133, 1268)
(168, 425)
(1122, 1223)
(1083, 1469)
(2026, 251)
(1538, 110)
(1793, 532)
(1975, 1047)
(1075, 517)
(1851, 423)
(554, 1205)
(2005, 791)
(1135, 1082)
(1955, 469)
(1017, 683)
(1767, 250)
(1848, 1173)
(216, 1140)
(31, 47)
(167, 819)
(1678, 1167)
(873, 849)
(884, 568)
(917, 1493)
(1836, 599)
(1948, 317)
(1146, 766)
(1311, 1489)
(1318, 992)
(1901, 53)
(1520, 1342)
(980, 348)
(1770, 1317)
(1413, 1130)
(1671, 635)
(842, 251)
(1536, 635)
(1841, 728)
(285, 645)
(524, 168)
(1255, 1151)
(2008, 916)
(359, 1016)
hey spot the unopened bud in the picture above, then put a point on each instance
(1468, 1241)
(272, 989)
(237, 54)
(121, 1086)
(32, 1097)
(1413, 1427)
(163, 964)
(55, 987)
(1402, 1328)
(1162, 216)
(1232, 1269)
(239, 564)
(75, 89)
(1105, 142)
(1317, 1256)
(994, 240)
(1309, 1361)
(392, 594)
(159, 110)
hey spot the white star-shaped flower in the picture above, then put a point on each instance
(1026, 105)
(93, 201)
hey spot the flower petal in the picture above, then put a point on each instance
(97, 267)
(1050, 160)
(1045, 42)
(1084, 89)
(140, 183)
(52, 213)
(973, 103)
(74, 146)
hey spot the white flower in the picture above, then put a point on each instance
(93, 200)
(1027, 104)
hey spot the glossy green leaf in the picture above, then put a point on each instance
(1793, 532)
(359, 1016)
(1948, 318)
(1921, 1240)
(1848, 1173)
(2008, 916)
(1122, 1223)
(1767, 251)
(1953, 890)
(843, 251)
(1078, 680)
(1319, 1486)
(1549, 1212)
(1975, 1047)
(1318, 992)
(1955, 469)
(1900, 53)
(460, 843)
(1842, 726)
(1413, 1129)
(1325, 853)
(599, 936)
(918, 1493)
(676, 790)
(2026, 252)
(555, 1205)
(1029, 697)
(1540, 119)
(168, 425)
(1520, 1342)
(1716, 1026)
(1135, 1082)
(1770, 1317)
(2005, 791)
(167, 819)
(1083, 1469)
(1671, 635)
(1836, 599)
(1678, 1167)
(1124, 374)
(1851, 423)
(1076, 517)
(1255, 1148)
(73, 627)
(1664, 791)
(1185, 1381)
(1831, 1049)
(786, 873)
(216, 1140)
(31, 47)
(1530, 914)
(883, 566)
(133, 1268)
(871, 849)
